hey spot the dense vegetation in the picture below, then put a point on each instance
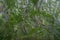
(29, 20)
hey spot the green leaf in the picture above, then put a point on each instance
(34, 1)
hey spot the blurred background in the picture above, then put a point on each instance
(29, 19)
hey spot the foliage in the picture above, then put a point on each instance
(21, 20)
